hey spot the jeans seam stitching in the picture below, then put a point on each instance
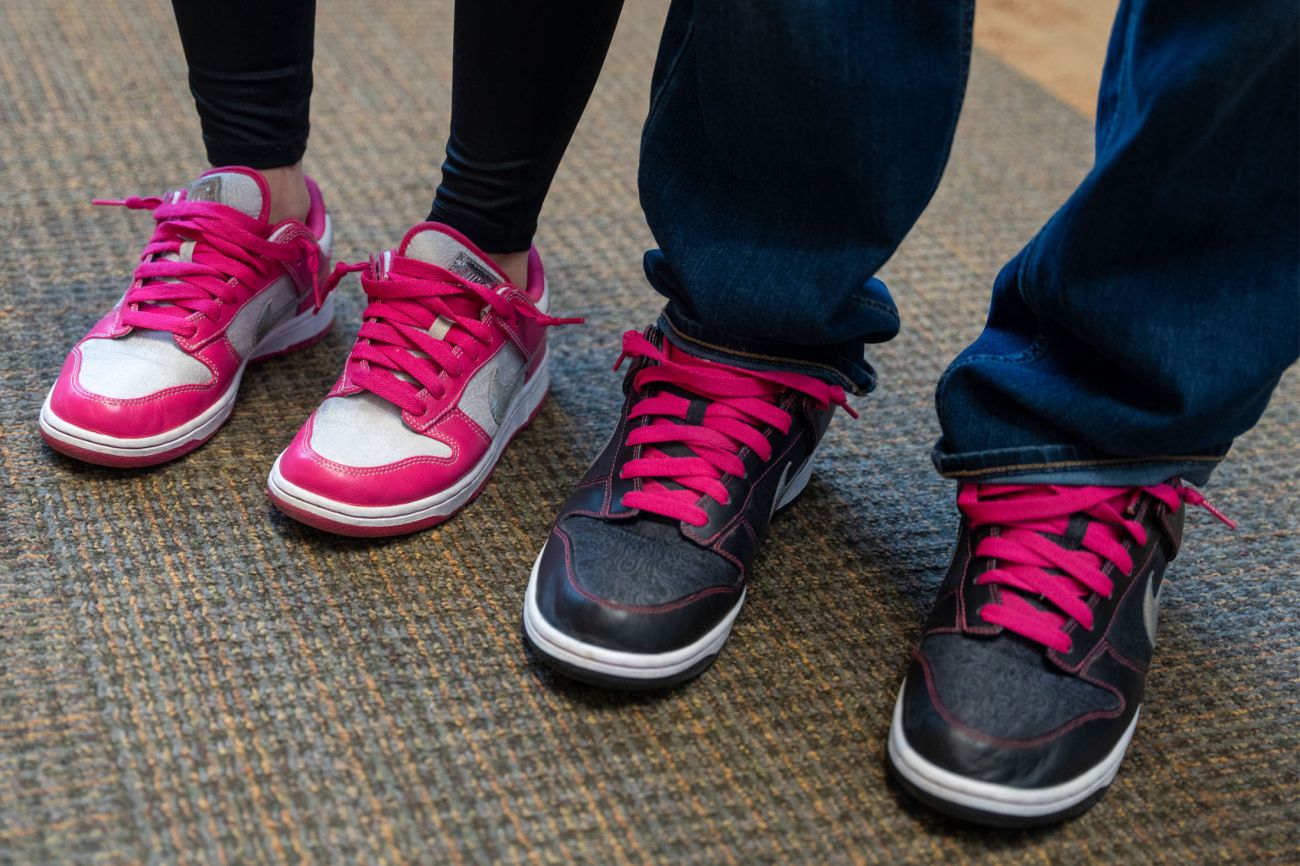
(1122, 95)
(1080, 464)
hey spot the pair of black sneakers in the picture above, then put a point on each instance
(1023, 694)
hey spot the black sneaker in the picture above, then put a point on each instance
(646, 567)
(1024, 691)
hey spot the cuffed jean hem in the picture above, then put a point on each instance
(840, 365)
(1072, 465)
(258, 156)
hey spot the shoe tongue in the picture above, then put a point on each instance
(240, 188)
(437, 244)
(441, 245)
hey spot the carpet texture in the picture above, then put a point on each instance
(188, 677)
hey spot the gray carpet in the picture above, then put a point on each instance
(188, 677)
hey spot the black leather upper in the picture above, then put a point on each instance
(991, 705)
(639, 582)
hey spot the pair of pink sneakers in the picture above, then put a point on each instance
(450, 363)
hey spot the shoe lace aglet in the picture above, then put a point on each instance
(133, 202)
(839, 398)
(1193, 497)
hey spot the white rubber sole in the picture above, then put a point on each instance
(1017, 804)
(442, 504)
(303, 328)
(633, 668)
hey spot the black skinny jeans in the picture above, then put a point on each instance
(523, 71)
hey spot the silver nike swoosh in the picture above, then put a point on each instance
(271, 315)
(780, 489)
(1151, 607)
(501, 391)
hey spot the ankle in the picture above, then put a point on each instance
(513, 265)
(290, 199)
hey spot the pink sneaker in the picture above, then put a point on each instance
(450, 363)
(217, 286)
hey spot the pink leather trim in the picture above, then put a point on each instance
(460, 238)
(139, 417)
(316, 212)
(536, 276)
(390, 484)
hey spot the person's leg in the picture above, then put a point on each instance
(522, 75)
(788, 149)
(250, 73)
(159, 374)
(1141, 330)
(450, 363)
(1148, 322)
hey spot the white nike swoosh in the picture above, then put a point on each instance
(1151, 607)
(780, 489)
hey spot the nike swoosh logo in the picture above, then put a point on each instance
(501, 391)
(271, 315)
(1151, 607)
(780, 489)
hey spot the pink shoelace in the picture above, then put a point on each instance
(1026, 559)
(741, 405)
(404, 304)
(230, 255)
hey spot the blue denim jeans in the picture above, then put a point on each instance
(790, 146)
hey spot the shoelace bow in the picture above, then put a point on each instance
(404, 305)
(230, 252)
(741, 404)
(1026, 559)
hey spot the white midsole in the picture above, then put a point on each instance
(991, 797)
(299, 329)
(649, 666)
(440, 504)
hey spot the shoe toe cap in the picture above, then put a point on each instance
(1009, 722)
(347, 475)
(304, 472)
(125, 402)
(625, 604)
(358, 450)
